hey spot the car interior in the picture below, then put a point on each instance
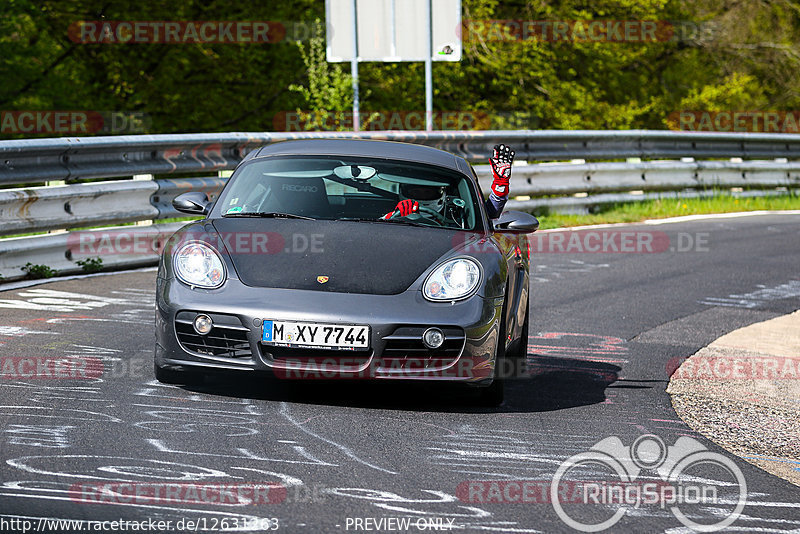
(330, 188)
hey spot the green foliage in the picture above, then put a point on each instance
(328, 89)
(720, 56)
(734, 92)
(38, 271)
(91, 265)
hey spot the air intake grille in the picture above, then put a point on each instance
(223, 341)
(404, 348)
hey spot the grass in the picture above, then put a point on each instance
(659, 209)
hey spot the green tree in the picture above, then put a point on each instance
(328, 88)
(721, 55)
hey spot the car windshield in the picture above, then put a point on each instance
(352, 188)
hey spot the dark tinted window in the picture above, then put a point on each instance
(351, 188)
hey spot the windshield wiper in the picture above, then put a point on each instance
(358, 219)
(268, 215)
(382, 220)
(409, 223)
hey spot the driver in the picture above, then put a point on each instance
(413, 197)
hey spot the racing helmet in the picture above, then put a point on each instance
(431, 197)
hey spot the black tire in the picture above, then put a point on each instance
(521, 349)
(171, 376)
(493, 395)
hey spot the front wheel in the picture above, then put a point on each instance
(521, 349)
(494, 395)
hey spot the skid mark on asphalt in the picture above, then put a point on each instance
(166, 392)
(51, 437)
(27, 412)
(20, 331)
(754, 299)
(590, 347)
(65, 301)
(554, 271)
(284, 411)
(502, 454)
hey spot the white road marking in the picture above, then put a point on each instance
(349, 453)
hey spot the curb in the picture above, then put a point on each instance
(743, 393)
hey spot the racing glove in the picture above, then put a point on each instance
(500, 162)
(405, 207)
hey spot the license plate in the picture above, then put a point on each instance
(315, 335)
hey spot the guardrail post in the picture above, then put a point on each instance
(143, 177)
(53, 183)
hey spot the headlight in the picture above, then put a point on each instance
(452, 280)
(199, 265)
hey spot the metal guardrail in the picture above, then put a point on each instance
(71, 159)
(50, 208)
(124, 246)
(567, 179)
(76, 205)
(607, 183)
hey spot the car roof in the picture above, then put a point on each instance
(365, 148)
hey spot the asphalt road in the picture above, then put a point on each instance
(606, 329)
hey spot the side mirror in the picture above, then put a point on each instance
(516, 222)
(194, 203)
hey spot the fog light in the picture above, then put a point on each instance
(433, 338)
(203, 324)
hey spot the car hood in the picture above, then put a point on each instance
(335, 256)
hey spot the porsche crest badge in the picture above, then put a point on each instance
(322, 279)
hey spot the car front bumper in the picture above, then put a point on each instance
(395, 348)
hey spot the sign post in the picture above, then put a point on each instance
(354, 69)
(391, 31)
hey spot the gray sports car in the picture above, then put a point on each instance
(303, 267)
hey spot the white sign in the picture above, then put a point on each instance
(393, 30)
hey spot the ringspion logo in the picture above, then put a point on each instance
(678, 477)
